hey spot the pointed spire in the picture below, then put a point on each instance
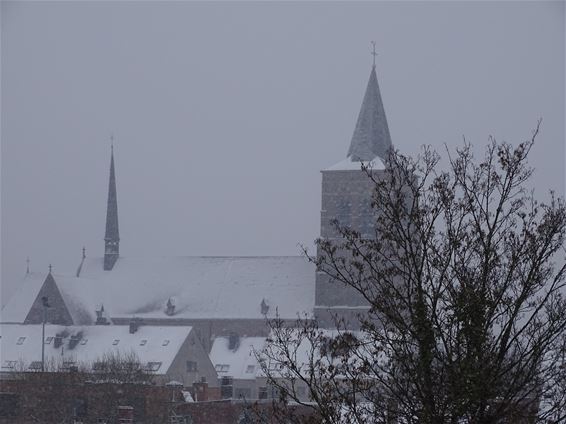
(112, 236)
(371, 136)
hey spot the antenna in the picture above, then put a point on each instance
(373, 53)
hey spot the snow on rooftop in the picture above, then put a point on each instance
(22, 343)
(77, 293)
(18, 306)
(239, 363)
(351, 165)
(199, 287)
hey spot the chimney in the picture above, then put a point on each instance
(101, 318)
(170, 306)
(134, 325)
(233, 341)
(200, 389)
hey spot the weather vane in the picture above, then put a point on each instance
(373, 53)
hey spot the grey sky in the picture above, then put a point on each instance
(224, 113)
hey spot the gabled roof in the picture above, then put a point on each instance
(18, 306)
(371, 136)
(22, 343)
(198, 287)
(202, 287)
(78, 295)
(239, 363)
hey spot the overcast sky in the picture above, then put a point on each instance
(224, 113)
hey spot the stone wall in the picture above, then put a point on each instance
(346, 197)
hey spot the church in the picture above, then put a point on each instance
(218, 297)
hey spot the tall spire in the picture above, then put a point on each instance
(112, 236)
(371, 136)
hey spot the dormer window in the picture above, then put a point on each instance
(153, 366)
(222, 367)
(9, 364)
(48, 340)
(83, 341)
(165, 343)
(20, 340)
(143, 342)
(115, 342)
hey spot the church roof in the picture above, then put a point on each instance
(371, 136)
(77, 294)
(198, 287)
(112, 232)
(202, 287)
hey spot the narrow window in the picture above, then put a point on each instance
(191, 366)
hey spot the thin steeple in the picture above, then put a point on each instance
(371, 136)
(112, 236)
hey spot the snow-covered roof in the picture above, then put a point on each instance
(22, 343)
(79, 295)
(350, 164)
(199, 287)
(239, 363)
(18, 306)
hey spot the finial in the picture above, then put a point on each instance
(112, 142)
(27, 265)
(50, 268)
(84, 252)
(373, 53)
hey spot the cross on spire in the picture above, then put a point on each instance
(50, 268)
(373, 53)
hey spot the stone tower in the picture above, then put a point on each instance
(346, 196)
(112, 236)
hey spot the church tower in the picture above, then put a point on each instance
(112, 236)
(346, 197)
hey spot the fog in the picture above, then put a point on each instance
(223, 114)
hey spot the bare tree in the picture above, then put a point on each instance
(464, 280)
(69, 391)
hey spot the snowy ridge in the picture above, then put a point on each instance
(199, 287)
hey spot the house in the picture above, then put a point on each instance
(170, 353)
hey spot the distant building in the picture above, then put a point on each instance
(216, 297)
(168, 353)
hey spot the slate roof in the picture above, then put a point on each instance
(199, 287)
(203, 287)
(371, 136)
